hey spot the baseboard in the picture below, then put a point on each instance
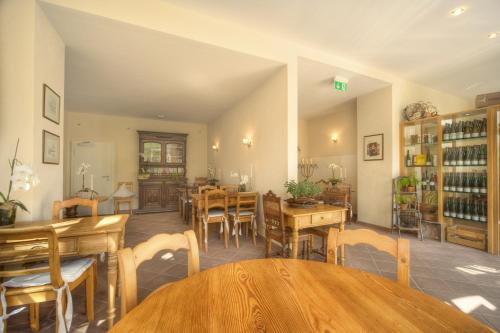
(373, 226)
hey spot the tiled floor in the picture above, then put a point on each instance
(462, 277)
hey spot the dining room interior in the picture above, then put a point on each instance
(203, 166)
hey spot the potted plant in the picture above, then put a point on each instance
(403, 201)
(85, 192)
(21, 179)
(412, 183)
(211, 180)
(302, 192)
(243, 183)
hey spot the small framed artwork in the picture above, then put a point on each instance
(51, 104)
(51, 148)
(373, 147)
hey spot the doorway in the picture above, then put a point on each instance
(101, 157)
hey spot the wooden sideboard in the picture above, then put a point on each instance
(162, 157)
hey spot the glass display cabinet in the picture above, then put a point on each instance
(420, 151)
(162, 169)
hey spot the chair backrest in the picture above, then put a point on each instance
(129, 259)
(128, 185)
(231, 188)
(204, 188)
(215, 199)
(58, 205)
(400, 248)
(273, 212)
(29, 246)
(246, 201)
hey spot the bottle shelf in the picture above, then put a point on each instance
(465, 192)
(421, 144)
(463, 165)
(464, 219)
(421, 166)
(465, 139)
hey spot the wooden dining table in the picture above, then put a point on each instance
(289, 295)
(82, 236)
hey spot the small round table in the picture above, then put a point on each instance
(286, 295)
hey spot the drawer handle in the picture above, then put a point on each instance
(322, 217)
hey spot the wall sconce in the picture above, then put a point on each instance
(215, 147)
(334, 138)
(247, 142)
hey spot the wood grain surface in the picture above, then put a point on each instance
(287, 295)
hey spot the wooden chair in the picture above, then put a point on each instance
(230, 189)
(42, 277)
(129, 259)
(57, 206)
(275, 226)
(200, 181)
(399, 248)
(202, 189)
(186, 202)
(245, 212)
(124, 200)
(215, 211)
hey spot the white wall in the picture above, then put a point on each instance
(122, 131)
(262, 116)
(341, 121)
(374, 114)
(32, 53)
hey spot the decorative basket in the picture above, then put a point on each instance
(302, 202)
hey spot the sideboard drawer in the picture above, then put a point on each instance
(92, 244)
(323, 218)
(304, 221)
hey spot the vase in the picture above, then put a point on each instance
(7, 214)
(242, 188)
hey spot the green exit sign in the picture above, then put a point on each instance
(340, 86)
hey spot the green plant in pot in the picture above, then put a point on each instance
(408, 183)
(302, 192)
(403, 201)
(21, 179)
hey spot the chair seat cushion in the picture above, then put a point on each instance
(70, 271)
(242, 213)
(215, 212)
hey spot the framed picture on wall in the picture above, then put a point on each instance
(373, 147)
(51, 104)
(51, 148)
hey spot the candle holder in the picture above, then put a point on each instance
(306, 168)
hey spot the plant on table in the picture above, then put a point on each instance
(21, 179)
(302, 192)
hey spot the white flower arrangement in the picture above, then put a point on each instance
(82, 169)
(244, 179)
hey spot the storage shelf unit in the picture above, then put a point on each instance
(467, 173)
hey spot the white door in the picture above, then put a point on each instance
(100, 156)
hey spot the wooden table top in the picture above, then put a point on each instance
(320, 208)
(81, 225)
(285, 295)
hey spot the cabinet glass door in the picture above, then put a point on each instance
(152, 152)
(175, 153)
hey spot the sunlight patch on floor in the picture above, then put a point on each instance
(470, 303)
(477, 269)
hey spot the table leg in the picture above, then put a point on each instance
(295, 242)
(200, 230)
(112, 275)
(192, 217)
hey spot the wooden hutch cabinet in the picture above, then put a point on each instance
(162, 169)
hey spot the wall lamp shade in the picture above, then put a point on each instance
(215, 147)
(334, 138)
(247, 142)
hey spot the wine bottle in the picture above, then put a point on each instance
(446, 186)
(484, 127)
(446, 153)
(483, 150)
(467, 129)
(428, 158)
(475, 156)
(446, 132)
(467, 209)
(475, 210)
(460, 130)
(476, 128)
(467, 187)
(484, 183)
(483, 212)
(446, 208)
(408, 158)
(460, 208)
(453, 210)
(432, 183)
(460, 187)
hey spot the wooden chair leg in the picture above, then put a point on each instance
(224, 233)
(253, 237)
(268, 246)
(236, 236)
(63, 305)
(34, 310)
(89, 293)
(206, 239)
(246, 230)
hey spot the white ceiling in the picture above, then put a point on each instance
(116, 68)
(317, 95)
(416, 40)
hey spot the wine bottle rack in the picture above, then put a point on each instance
(461, 153)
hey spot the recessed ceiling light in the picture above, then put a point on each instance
(493, 35)
(457, 11)
(160, 116)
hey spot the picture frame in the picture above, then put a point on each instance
(51, 104)
(373, 147)
(51, 148)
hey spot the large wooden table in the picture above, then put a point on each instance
(303, 218)
(90, 236)
(287, 295)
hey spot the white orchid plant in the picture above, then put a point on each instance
(211, 175)
(22, 178)
(334, 180)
